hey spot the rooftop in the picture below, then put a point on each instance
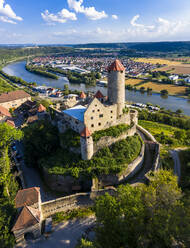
(13, 95)
(76, 112)
(27, 197)
(4, 112)
(116, 66)
(28, 217)
(85, 133)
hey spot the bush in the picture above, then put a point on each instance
(115, 131)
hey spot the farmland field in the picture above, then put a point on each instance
(158, 61)
(179, 69)
(172, 89)
(133, 81)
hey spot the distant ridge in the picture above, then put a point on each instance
(169, 46)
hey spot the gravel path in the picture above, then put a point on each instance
(65, 235)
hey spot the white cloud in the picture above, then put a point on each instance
(115, 17)
(60, 17)
(135, 24)
(90, 12)
(7, 14)
(161, 30)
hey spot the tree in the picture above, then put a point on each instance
(179, 111)
(164, 92)
(143, 216)
(7, 136)
(180, 134)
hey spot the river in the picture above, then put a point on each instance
(170, 102)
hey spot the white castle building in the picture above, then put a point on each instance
(101, 113)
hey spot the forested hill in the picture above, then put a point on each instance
(178, 46)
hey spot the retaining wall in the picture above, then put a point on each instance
(108, 141)
(132, 169)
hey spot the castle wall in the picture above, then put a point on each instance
(108, 141)
(67, 184)
(72, 202)
(98, 116)
(73, 123)
(131, 170)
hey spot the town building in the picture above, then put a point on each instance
(14, 99)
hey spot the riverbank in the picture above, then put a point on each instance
(168, 102)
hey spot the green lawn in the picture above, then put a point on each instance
(156, 128)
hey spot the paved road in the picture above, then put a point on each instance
(177, 165)
(32, 177)
(65, 235)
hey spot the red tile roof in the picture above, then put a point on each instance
(85, 133)
(4, 112)
(10, 123)
(13, 95)
(28, 217)
(41, 108)
(27, 197)
(99, 94)
(116, 66)
(82, 95)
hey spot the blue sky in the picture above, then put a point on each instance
(84, 21)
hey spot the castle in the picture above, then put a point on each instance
(101, 112)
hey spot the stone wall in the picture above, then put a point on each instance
(67, 184)
(132, 169)
(108, 141)
(156, 147)
(147, 134)
(72, 202)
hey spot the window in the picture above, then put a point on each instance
(101, 115)
(96, 105)
(99, 124)
(92, 118)
(93, 111)
(111, 111)
(98, 110)
(111, 117)
(92, 125)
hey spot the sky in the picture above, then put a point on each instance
(92, 21)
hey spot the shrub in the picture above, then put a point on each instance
(115, 131)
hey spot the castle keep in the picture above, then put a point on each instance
(101, 112)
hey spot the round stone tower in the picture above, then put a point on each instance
(86, 141)
(116, 85)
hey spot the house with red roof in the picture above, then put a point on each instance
(14, 99)
(29, 218)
